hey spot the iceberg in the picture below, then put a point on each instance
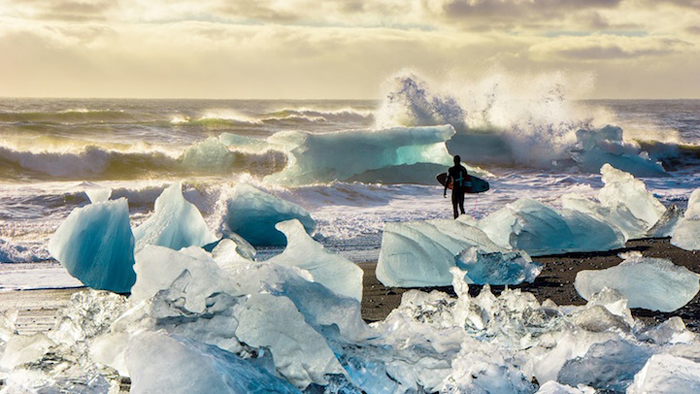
(98, 194)
(253, 214)
(621, 189)
(193, 367)
(96, 245)
(421, 253)
(333, 271)
(665, 373)
(316, 158)
(618, 217)
(539, 230)
(649, 283)
(175, 223)
(497, 268)
(597, 147)
(687, 234)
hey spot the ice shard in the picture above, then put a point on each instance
(664, 373)
(253, 214)
(175, 223)
(96, 245)
(623, 189)
(421, 253)
(649, 283)
(172, 364)
(687, 234)
(331, 270)
(497, 268)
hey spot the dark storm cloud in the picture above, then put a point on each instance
(511, 13)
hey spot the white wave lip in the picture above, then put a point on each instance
(649, 283)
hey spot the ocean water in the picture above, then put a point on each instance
(52, 150)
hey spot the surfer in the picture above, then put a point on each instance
(459, 177)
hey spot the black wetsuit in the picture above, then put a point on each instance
(459, 177)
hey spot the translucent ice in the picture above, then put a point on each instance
(96, 245)
(331, 270)
(664, 373)
(622, 189)
(666, 225)
(228, 254)
(315, 158)
(649, 283)
(208, 155)
(600, 146)
(172, 364)
(538, 229)
(253, 214)
(618, 217)
(497, 268)
(687, 234)
(175, 223)
(420, 253)
(552, 387)
(98, 194)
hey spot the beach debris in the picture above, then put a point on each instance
(175, 223)
(96, 245)
(497, 268)
(421, 253)
(687, 234)
(649, 283)
(331, 270)
(194, 367)
(253, 214)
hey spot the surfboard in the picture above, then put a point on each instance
(474, 184)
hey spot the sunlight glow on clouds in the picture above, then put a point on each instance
(339, 48)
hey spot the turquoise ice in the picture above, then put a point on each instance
(175, 223)
(253, 214)
(96, 245)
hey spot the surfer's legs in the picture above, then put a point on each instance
(457, 202)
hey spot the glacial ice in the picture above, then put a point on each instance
(96, 245)
(618, 217)
(315, 158)
(667, 224)
(687, 234)
(600, 146)
(230, 253)
(331, 270)
(531, 226)
(192, 367)
(497, 268)
(623, 189)
(649, 283)
(175, 223)
(210, 155)
(98, 194)
(262, 326)
(253, 214)
(665, 373)
(420, 253)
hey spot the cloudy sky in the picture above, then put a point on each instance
(340, 48)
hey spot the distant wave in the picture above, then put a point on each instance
(313, 115)
(223, 118)
(95, 163)
(79, 115)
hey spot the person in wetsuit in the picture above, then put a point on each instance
(459, 177)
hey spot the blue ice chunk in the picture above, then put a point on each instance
(96, 245)
(497, 268)
(540, 230)
(687, 234)
(160, 363)
(175, 223)
(314, 158)
(600, 146)
(253, 214)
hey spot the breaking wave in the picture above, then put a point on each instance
(95, 162)
(500, 121)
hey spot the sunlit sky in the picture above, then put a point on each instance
(340, 48)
